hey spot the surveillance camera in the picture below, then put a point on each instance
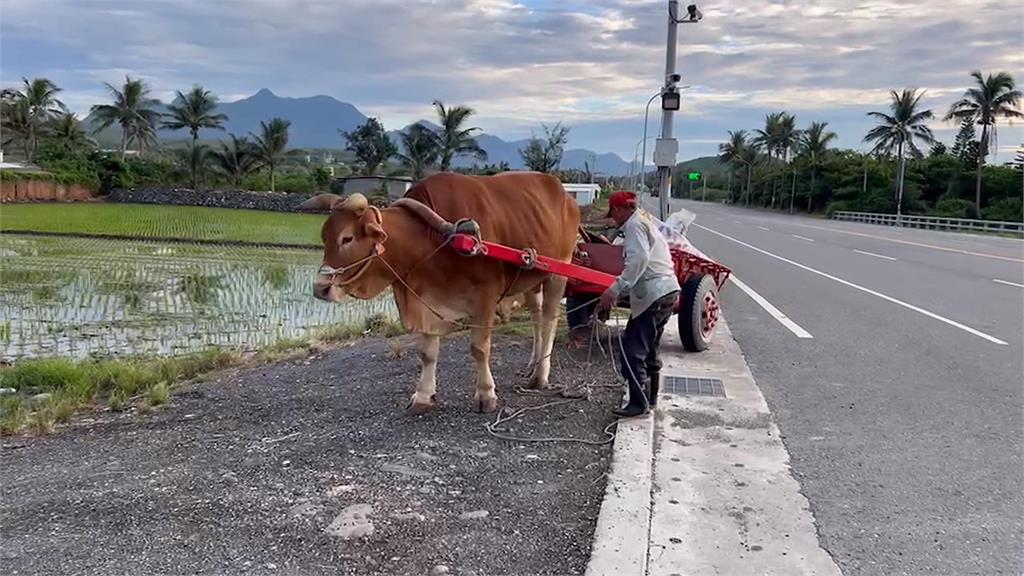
(694, 13)
(673, 78)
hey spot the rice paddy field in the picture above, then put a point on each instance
(156, 221)
(78, 297)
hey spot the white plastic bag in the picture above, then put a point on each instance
(674, 231)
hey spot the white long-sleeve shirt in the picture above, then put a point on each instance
(649, 273)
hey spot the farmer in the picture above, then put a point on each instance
(651, 282)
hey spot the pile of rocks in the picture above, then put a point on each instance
(274, 201)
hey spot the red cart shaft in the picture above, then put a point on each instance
(591, 280)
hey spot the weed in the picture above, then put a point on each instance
(5, 333)
(41, 420)
(396, 349)
(158, 394)
(12, 415)
(118, 400)
(64, 409)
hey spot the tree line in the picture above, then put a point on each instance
(34, 118)
(896, 175)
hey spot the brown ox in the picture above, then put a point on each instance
(428, 279)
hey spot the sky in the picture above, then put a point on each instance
(591, 65)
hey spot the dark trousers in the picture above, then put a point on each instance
(639, 362)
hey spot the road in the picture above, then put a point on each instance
(892, 362)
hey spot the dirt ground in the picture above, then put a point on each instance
(311, 467)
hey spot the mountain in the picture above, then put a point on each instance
(316, 121)
(499, 150)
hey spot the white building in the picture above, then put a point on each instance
(583, 193)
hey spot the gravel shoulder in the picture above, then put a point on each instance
(312, 467)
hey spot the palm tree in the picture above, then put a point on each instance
(68, 133)
(15, 119)
(40, 95)
(420, 150)
(133, 111)
(786, 139)
(731, 152)
(194, 111)
(898, 130)
(768, 138)
(453, 139)
(234, 160)
(992, 97)
(270, 147)
(814, 143)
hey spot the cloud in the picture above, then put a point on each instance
(521, 63)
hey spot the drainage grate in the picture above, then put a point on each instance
(693, 386)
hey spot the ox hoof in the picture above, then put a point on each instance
(485, 404)
(536, 383)
(415, 407)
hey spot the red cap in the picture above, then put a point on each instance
(621, 199)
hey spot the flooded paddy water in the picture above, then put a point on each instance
(80, 297)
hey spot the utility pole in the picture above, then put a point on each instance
(667, 146)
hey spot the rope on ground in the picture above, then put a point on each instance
(505, 415)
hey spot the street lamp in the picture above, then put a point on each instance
(636, 151)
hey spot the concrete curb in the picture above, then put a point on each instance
(623, 525)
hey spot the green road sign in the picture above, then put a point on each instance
(693, 176)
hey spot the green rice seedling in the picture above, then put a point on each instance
(276, 276)
(200, 288)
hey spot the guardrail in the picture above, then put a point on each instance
(933, 222)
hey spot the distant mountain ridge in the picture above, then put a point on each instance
(316, 121)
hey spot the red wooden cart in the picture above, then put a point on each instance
(595, 265)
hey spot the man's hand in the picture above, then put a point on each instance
(607, 300)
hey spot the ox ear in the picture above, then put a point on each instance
(375, 232)
(320, 202)
(372, 225)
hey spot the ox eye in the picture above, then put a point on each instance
(345, 240)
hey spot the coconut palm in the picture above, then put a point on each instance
(235, 159)
(991, 98)
(813, 144)
(454, 139)
(68, 133)
(270, 147)
(786, 139)
(40, 96)
(898, 131)
(132, 110)
(768, 139)
(419, 150)
(15, 119)
(731, 152)
(194, 111)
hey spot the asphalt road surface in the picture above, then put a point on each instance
(892, 361)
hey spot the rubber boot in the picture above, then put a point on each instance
(637, 405)
(652, 390)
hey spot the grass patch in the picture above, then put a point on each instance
(143, 382)
(156, 221)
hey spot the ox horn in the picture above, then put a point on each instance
(357, 203)
(320, 202)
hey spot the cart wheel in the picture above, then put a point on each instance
(698, 312)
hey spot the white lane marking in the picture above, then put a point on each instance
(765, 229)
(896, 301)
(1008, 283)
(910, 243)
(771, 310)
(873, 254)
(802, 237)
